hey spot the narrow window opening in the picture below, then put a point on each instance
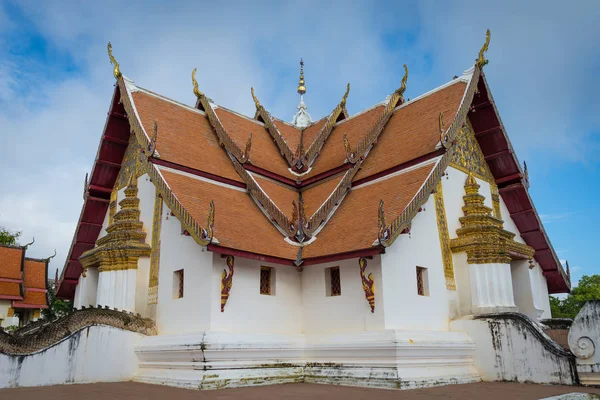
(422, 282)
(333, 283)
(178, 284)
(267, 281)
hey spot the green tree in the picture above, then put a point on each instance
(56, 307)
(587, 289)
(8, 238)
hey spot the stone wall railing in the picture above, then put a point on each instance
(41, 334)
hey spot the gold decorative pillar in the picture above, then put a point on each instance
(444, 237)
(116, 254)
(155, 255)
(490, 249)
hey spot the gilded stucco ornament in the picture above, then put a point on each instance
(481, 61)
(444, 235)
(246, 152)
(444, 138)
(343, 102)
(226, 282)
(116, 70)
(207, 233)
(384, 232)
(155, 254)
(350, 155)
(368, 284)
(482, 236)
(125, 239)
(256, 102)
(151, 149)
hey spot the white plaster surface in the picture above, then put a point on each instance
(509, 351)
(525, 286)
(491, 288)
(94, 354)
(584, 342)
(403, 307)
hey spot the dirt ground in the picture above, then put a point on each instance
(135, 391)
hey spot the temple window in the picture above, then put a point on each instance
(422, 282)
(333, 283)
(178, 284)
(267, 278)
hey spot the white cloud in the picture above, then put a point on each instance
(542, 63)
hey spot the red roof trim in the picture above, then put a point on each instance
(24, 305)
(197, 172)
(8, 297)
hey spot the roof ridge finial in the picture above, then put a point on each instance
(481, 61)
(116, 70)
(301, 85)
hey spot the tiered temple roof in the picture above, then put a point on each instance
(301, 196)
(23, 280)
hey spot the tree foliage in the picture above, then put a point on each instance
(56, 307)
(587, 289)
(8, 238)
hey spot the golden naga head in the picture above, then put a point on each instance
(402, 87)
(481, 61)
(346, 95)
(197, 92)
(256, 102)
(116, 70)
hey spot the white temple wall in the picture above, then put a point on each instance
(541, 297)
(348, 312)
(146, 194)
(86, 291)
(190, 313)
(116, 289)
(248, 311)
(404, 307)
(525, 289)
(509, 224)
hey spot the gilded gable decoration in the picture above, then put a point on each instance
(368, 284)
(133, 163)
(383, 230)
(481, 61)
(116, 70)
(125, 240)
(482, 236)
(444, 138)
(226, 282)
(155, 254)
(444, 235)
(468, 157)
(246, 152)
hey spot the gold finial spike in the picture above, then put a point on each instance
(197, 92)
(481, 61)
(256, 102)
(346, 95)
(403, 83)
(301, 85)
(116, 70)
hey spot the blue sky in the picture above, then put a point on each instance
(56, 84)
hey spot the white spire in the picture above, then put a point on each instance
(302, 118)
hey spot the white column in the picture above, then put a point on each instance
(117, 289)
(491, 288)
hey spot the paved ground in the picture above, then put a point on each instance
(138, 391)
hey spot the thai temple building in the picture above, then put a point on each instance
(23, 286)
(398, 247)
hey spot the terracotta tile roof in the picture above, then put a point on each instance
(310, 133)
(315, 196)
(354, 224)
(281, 195)
(35, 274)
(35, 298)
(333, 153)
(239, 223)
(291, 134)
(413, 130)
(11, 259)
(10, 289)
(185, 137)
(264, 152)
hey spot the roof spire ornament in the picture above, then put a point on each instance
(197, 92)
(116, 70)
(302, 118)
(481, 61)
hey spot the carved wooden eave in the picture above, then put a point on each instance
(339, 113)
(266, 118)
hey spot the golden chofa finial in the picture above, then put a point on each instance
(197, 92)
(116, 70)
(346, 95)
(256, 102)
(481, 61)
(301, 87)
(402, 87)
